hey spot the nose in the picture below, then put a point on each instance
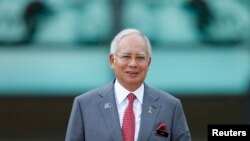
(132, 62)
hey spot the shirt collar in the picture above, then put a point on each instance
(122, 93)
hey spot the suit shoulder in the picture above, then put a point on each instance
(92, 93)
(164, 95)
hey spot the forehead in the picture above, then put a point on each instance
(132, 43)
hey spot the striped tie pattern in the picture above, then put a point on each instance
(128, 125)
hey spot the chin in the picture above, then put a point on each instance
(134, 81)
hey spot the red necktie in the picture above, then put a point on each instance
(128, 125)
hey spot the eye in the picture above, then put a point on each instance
(141, 58)
(125, 57)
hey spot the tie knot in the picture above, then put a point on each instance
(131, 97)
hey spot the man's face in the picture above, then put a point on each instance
(131, 61)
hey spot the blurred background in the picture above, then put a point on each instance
(54, 50)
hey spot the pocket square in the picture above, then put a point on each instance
(162, 129)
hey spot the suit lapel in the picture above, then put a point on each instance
(150, 110)
(108, 107)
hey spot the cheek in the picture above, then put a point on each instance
(118, 66)
(145, 68)
(121, 65)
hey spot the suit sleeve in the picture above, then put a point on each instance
(180, 127)
(75, 130)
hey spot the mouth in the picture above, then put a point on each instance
(132, 73)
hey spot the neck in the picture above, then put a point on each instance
(130, 87)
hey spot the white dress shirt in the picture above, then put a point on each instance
(122, 102)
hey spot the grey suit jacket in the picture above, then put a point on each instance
(94, 117)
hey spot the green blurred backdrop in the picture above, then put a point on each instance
(54, 50)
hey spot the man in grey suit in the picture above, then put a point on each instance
(127, 109)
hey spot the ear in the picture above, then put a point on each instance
(149, 62)
(111, 60)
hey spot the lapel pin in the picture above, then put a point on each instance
(149, 110)
(107, 105)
